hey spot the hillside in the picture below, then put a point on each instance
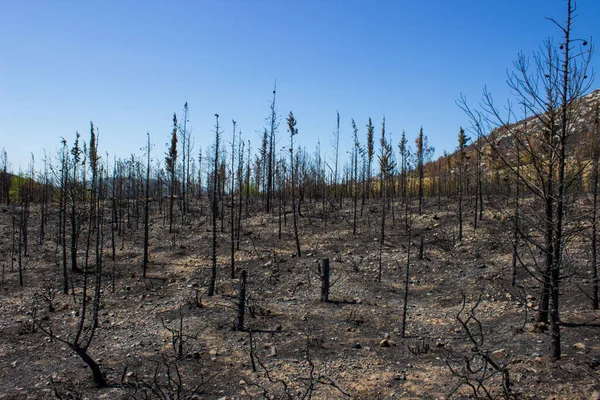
(349, 348)
(501, 141)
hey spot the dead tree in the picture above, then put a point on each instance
(177, 336)
(325, 275)
(293, 131)
(596, 157)
(336, 150)
(551, 93)
(20, 245)
(477, 369)
(74, 197)
(404, 160)
(370, 153)
(241, 305)
(233, 213)
(478, 183)
(270, 153)
(147, 210)
(171, 165)
(423, 155)
(214, 211)
(406, 280)
(5, 183)
(355, 153)
(240, 179)
(85, 331)
(62, 214)
(44, 200)
(462, 141)
(517, 215)
(185, 161)
(386, 166)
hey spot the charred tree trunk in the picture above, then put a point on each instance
(233, 213)
(147, 212)
(214, 211)
(293, 131)
(241, 305)
(325, 285)
(406, 282)
(595, 300)
(97, 375)
(517, 217)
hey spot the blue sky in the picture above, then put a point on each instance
(128, 65)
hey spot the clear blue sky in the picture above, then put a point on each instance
(128, 65)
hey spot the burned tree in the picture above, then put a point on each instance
(550, 93)
(355, 153)
(370, 153)
(335, 143)
(233, 213)
(171, 161)
(89, 306)
(595, 167)
(293, 131)
(147, 209)
(462, 141)
(214, 210)
(270, 153)
(386, 166)
(423, 154)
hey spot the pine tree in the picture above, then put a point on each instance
(171, 161)
(293, 131)
(462, 141)
(386, 167)
(214, 210)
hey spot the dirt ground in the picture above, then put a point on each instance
(351, 347)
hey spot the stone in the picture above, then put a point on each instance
(579, 346)
(499, 354)
(384, 343)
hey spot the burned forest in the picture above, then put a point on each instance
(254, 267)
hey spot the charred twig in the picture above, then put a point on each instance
(477, 369)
